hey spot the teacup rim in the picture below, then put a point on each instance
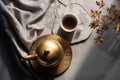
(75, 16)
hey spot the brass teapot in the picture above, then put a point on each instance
(50, 55)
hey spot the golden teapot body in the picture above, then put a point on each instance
(50, 54)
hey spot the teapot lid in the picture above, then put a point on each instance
(50, 52)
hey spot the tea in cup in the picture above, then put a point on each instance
(69, 22)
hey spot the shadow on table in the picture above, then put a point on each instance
(10, 59)
(100, 59)
(15, 68)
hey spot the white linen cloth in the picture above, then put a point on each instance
(24, 21)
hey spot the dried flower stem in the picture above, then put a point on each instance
(100, 22)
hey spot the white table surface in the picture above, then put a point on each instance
(89, 62)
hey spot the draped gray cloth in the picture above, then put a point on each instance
(22, 22)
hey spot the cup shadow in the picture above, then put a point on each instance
(66, 35)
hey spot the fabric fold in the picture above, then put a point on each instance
(22, 20)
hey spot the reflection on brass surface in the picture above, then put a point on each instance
(54, 55)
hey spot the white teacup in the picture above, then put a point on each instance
(69, 22)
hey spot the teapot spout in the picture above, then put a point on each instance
(31, 56)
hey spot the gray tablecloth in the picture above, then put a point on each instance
(23, 21)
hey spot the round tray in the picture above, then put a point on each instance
(63, 65)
